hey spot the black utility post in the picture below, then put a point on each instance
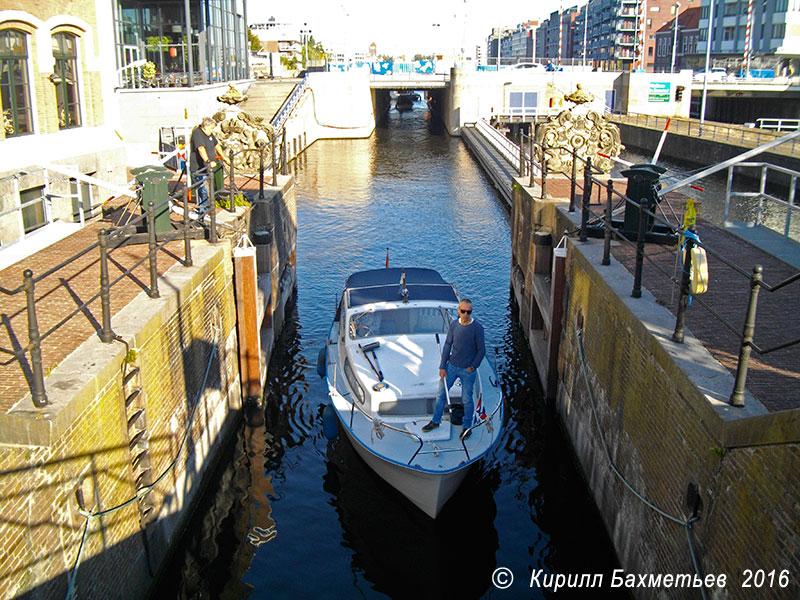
(637, 273)
(737, 397)
(683, 299)
(37, 389)
(587, 196)
(106, 334)
(607, 237)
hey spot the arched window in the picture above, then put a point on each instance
(65, 78)
(14, 84)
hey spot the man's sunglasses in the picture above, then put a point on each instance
(466, 312)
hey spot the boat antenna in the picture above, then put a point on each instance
(403, 287)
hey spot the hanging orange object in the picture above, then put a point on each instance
(173, 52)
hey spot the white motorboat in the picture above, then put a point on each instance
(381, 361)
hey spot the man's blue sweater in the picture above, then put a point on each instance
(464, 346)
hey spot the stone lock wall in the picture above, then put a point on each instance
(179, 342)
(678, 445)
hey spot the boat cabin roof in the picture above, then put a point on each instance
(383, 285)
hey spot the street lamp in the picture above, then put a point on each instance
(675, 37)
(708, 60)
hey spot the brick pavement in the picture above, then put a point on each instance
(773, 378)
(62, 292)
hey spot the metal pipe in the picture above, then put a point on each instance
(637, 273)
(607, 238)
(152, 244)
(683, 299)
(38, 394)
(737, 397)
(106, 334)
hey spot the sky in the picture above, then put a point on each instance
(405, 26)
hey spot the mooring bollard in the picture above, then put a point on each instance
(38, 394)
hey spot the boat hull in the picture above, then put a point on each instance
(426, 490)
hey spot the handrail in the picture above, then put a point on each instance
(288, 105)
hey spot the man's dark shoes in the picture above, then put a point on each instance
(429, 427)
(465, 434)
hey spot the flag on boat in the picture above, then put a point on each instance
(480, 412)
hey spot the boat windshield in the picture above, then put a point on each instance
(400, 321)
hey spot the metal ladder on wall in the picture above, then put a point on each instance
(138, 438)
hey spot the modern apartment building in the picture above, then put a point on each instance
(516, 45)
(682, 39)
(768, 31)
(555, 36)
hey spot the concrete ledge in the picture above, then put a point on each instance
(80, 377)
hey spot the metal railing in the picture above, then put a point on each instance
(740, 135)
(110, 239)
(778, 124)
(754, 276)
(288, 105)
(614, 201)
(765, 202)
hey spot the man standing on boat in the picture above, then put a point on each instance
(463, 351)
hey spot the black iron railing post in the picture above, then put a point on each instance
(187, 243)
(261, 172)
(637, 272)
(106, 334)
(530, 148)
(574, 182)
(683, 299)
(38, 394)
(232, 204)
(737, 397)
(274, 163)
(212, 234)
(607, 237)
(521, 154)
(153, 245)
(587, 196)
(544, 169)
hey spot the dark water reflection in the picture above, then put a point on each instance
(291, 515)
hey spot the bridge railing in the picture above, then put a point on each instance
(741, 135)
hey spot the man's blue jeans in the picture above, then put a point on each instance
(467, 383)
(201, 181)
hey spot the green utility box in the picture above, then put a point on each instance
(155, 181)
(219, 178)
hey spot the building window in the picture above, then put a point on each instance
(781, 6)
(778, 30)
(14, 85)
(65, 79)
(728, 33)
(732, 8)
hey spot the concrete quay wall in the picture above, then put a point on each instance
(657, 411)
(132, 429)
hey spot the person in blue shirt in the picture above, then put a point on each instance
(463, 351)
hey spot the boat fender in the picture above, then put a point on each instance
(699, 283)
(322, 367)
(330, 424)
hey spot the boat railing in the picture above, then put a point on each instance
(377, 424)
(611, 201)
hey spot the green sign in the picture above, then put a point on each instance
(659, 92)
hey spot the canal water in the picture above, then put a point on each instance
(290, 514)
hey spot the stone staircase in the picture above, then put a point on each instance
(265, 98)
